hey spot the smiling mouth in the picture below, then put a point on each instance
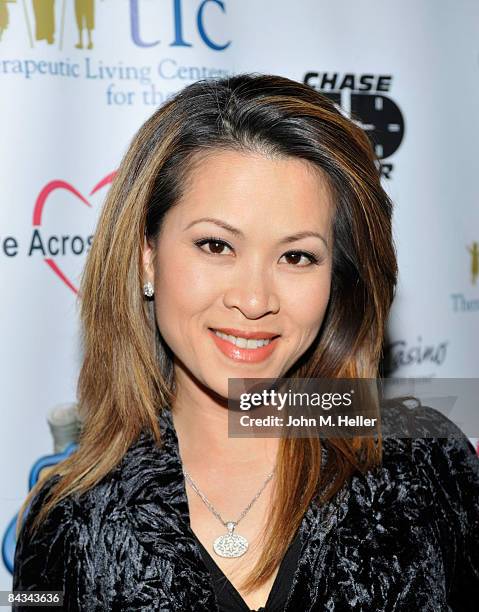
(243, 342)
(244, 350)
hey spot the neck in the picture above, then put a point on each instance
(201, 424)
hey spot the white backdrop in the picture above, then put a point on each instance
(68, 114)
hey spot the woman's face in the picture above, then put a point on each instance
(246, 269)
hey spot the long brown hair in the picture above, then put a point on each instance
(127, 372)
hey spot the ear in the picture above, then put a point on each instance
(148, 253)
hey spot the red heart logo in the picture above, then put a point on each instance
(38, 212)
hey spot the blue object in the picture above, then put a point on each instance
(9, 540)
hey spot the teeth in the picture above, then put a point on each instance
(243, 342)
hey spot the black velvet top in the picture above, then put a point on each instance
(400, 538)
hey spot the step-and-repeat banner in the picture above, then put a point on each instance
(78, 78)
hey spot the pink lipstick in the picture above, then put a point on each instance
(248, 355)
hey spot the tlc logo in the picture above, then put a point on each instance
(204, 9)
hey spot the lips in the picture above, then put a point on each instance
(244, 355)
(252, 335)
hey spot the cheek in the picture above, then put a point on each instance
(307, 302)
(184, 290)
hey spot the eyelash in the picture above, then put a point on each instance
(312, 258)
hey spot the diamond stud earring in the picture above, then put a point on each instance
(148, 289)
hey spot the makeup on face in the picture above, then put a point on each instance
(243, 268)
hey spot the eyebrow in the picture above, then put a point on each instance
(236, 232)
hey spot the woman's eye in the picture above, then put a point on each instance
(215, 245)
(296, 256)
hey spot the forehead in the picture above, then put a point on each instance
(253, 189)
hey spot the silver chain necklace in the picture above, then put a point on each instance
(230, 544)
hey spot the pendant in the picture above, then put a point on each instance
(231, 544)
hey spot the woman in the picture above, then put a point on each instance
(245, 208)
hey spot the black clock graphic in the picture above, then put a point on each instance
(379, 116)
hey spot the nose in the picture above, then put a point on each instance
(252, 291)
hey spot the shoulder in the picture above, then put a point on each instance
(423, 481)
(39, 554)
(437, 452)
(75, 542)
(440, 503)
(435, 445)
(432, 485)
(408, 536)
(449, 466)
(89, 511)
